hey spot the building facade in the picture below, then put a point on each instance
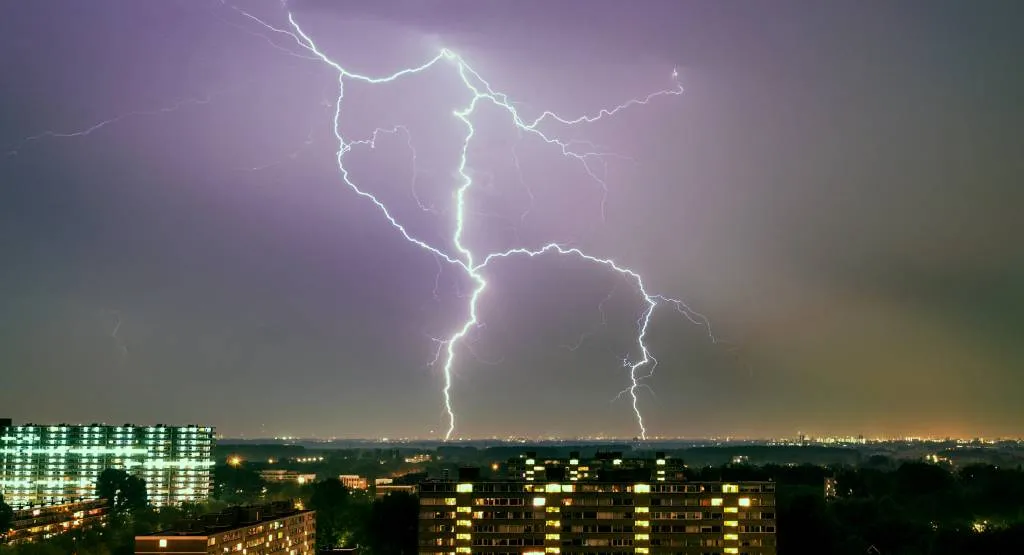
(278, 475)
(41, 465)
(40, 523)
(610, 512)
(353, 481)
(273, 529)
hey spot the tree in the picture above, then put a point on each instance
(237, 484)
(122, 491)
(133, 494)
(6, 516)
(337, 515)
(391, 527)
(109, 483)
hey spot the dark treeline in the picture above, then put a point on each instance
(912, 508)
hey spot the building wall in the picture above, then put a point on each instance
(578, 518)
(50, 464)
(352, 481)
(40, 523)
(290, 535)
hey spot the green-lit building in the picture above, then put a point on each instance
(47, 464)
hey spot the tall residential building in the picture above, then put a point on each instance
(621, 508)
(272, 529)
(41, 465)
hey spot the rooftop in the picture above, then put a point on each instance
(232, 518)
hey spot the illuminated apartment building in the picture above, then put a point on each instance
(532, 468)
(613, 511)
(40, 523)
(278, 475)
(272, 529)
(353, 481)
(386, 486)
(42, 465)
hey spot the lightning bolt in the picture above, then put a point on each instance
(121, 345)
(15, 149)
(475, 266)
(590, 157)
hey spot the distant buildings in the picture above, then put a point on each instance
(830, 488)
(40, 523)
(353, 481)
(272, 529)
(287, 476)
(48, 464)
(614, 506)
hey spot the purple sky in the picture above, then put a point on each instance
(838, 191)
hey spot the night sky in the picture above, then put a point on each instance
(839, 190)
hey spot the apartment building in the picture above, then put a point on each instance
(48, 464)
(271, 529)
(621, 507)
(44, 522)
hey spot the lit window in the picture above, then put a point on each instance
(731, 523)
(462, 536)
(730, 488)
(642, 537)
(731, 510)
(163, 543)
(732, 550)
(732, 537)
(551, 536)
(538, 501)
(643, 509)
(642, 523)
(464, 488)
(642, 488)
(744, 501)
(717, 502)
(553, 488)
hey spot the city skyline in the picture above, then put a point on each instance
(834, 190)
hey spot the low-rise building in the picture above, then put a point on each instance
(278, 475)
(353, 481)
(43, 522)
(272, 529)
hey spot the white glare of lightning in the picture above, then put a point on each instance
(482, 90)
